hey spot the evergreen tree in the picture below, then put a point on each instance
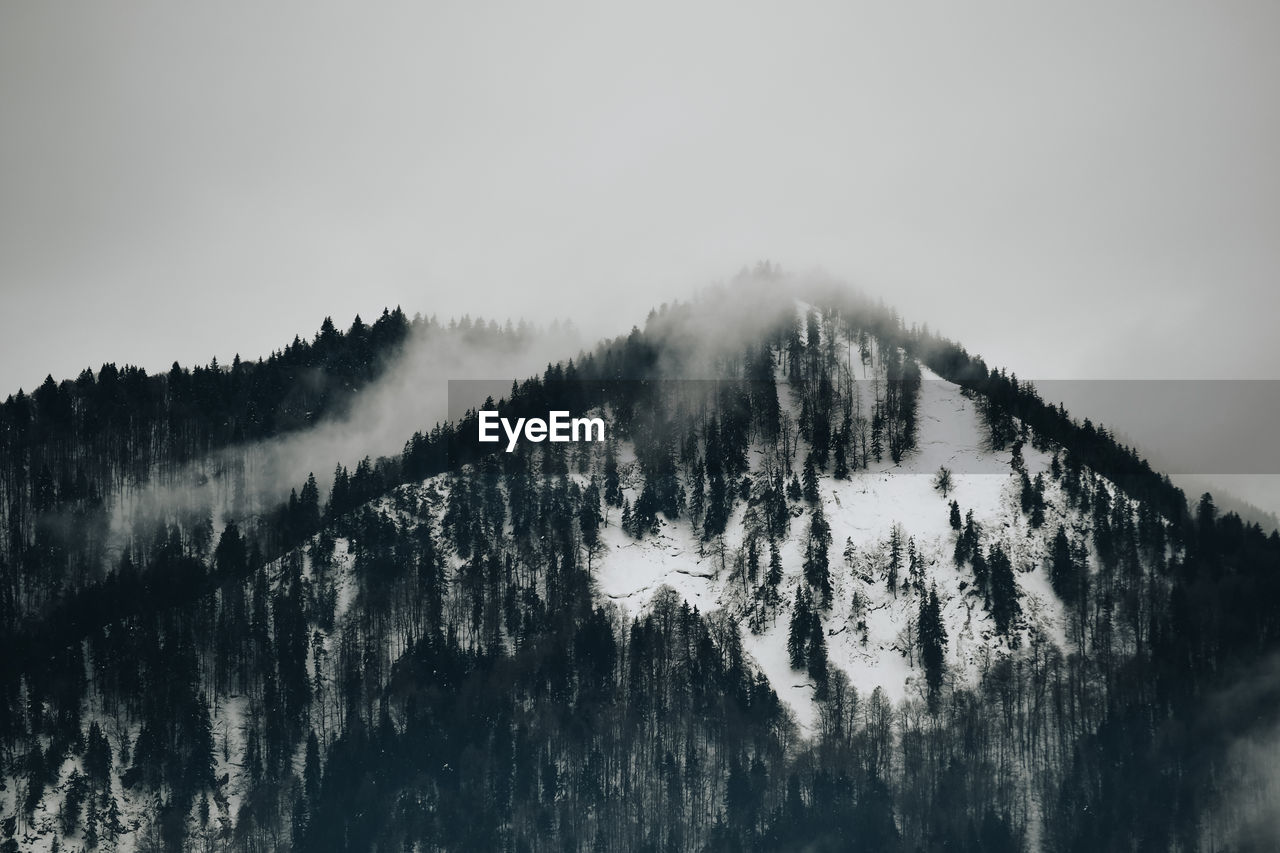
(1064, 574)
(1037, 502)
(774, 577)
(933, 642)
(1004, 590)
(697, 498)
(981, 574)
(877, 433)
(719, 496)
(817, 570)
(841, 468)
(231, 557)
(810, 480)
(768, 591)
(798, 634)
(895, 559)
(794, 492)
(97, 758)
(914, 574)
(309, 505)
(817, 657)
(753, 558)
(590, 518)
(612, 483)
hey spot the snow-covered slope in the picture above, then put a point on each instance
(868, 627)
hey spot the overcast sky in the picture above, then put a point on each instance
(1084, 191)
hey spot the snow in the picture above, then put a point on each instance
(871, 643)
(869, 628)
(345, 583)
(769, 650)
(229, 748)
(630, 571)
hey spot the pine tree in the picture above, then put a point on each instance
(795, 353)
(1026, 494)
(1063, 572)
(913, 564)
(718, 501)
(794, 492)
(777, 517)
(810, 480)
(231, 557)
(1037, 502)
(1004, 590)
(774, 577)
(877, 433)
(895, 559)
(813, 340)
(697, 496)
(981, 574)
(340, 500)
(933, 641)
(97, 757)
(612, 484)
(798, 634)
(767, 593)
(590, 518)
(644, 515)
(817, 656)
(841, 468)
(309, 504)
(817, 570)
(955, 515)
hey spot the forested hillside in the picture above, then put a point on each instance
(831, 583)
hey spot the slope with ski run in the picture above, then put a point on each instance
(864, 509)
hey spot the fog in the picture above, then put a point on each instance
(1081, 192)
(1239, 723)
(1077, 191)
(1074, 190)
(411, 395)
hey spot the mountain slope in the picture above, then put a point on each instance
(751, 620)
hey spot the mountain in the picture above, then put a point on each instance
(829, 583)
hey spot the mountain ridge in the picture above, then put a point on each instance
(476, 612)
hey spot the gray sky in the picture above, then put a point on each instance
(1075, 190)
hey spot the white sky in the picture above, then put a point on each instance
(1074, 190)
